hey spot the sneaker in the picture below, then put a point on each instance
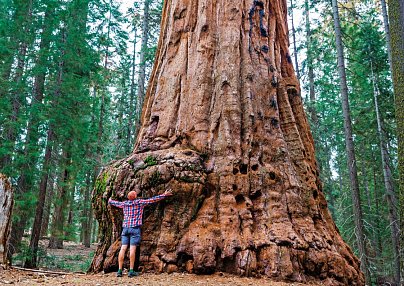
(119, 274)
(132, 274)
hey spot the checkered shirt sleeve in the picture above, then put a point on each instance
(133, 210)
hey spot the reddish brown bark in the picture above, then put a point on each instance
(6, 207)
(223, 126)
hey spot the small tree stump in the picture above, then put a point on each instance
(6, 206)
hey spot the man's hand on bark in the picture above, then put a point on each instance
(168, 192)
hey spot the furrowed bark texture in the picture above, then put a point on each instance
(223, 126)
(6, 207)
(396, 17)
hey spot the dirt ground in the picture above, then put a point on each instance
(75, 258)
(18, 277)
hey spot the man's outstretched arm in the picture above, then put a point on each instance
(155, 199)
(114, 203)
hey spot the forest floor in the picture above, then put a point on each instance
(75, 258)
(18, 277)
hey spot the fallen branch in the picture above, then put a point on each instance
(46, 271)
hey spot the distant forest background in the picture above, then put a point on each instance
(73, 76)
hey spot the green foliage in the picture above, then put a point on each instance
(82, 53)
(69, 263)
(66, 69)
(367, 64)
(150, 161)
(101, 184)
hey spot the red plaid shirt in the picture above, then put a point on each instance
(133, 210)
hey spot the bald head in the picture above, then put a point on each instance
(132, 195)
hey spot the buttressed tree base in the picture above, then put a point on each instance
(223, 126)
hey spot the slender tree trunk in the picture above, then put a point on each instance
(366, 185)
(31, 261)
(387, 31)
(47, 207)
(326, 170)
(90, 224)
(396, 17)
(353, 174)
(377, 240)
(142, 64)
(70, 213)
(312, 94)
(6, 207)
(391, 197)
(132, 100)
(223, 125)
(366, 180)
(90, 177)
(57, 232)
(70, 207)
(87, 212)
(294, 40)
(94, 231)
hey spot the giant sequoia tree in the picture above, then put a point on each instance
(223, 126)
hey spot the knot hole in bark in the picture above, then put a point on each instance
(243, 169)
(292, 91)
(273, 103)
(239, 199)
(154, 121)
(255, 194)
(180, 13)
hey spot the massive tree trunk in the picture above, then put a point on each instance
(223, 125)
(6, 206)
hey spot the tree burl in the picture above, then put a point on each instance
(223, 126)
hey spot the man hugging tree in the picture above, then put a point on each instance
(132, 221)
